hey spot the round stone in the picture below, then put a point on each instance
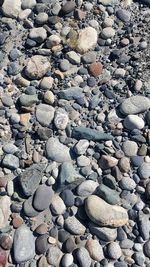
(43, 197)
(130, 148)
(53, 40)
(38, 34)
(44, 114)
(68, 197)
(132, 122)
(54, 255)
(95, 250)
(69, 245)
(57, 206)
(81, 147)
(87, 188)
(6, 241)
(135, 104)
(37, 66)
(41, 18)
(64, 65)
(114, 250)
(95, 69)
(87, 39)
(10, 161)
(42, 229)
(83, 257)
(108, 32)
(41, 244)
(144, 170)
(46, 83)
(67, 260)
(127, 183)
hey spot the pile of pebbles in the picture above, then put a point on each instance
(74, 133)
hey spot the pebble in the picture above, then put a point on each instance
(103, 233)
(127, 183)
(83, 257)
(43, 197)
(57, 205)
(47, 83)
(39, 35)
(41, 19)
(108, 32)
(61, 119)
(134, 105)
(83, 161)
(130, 148)
(10, 161)
(6, 241)
(87, 188)
(74, 226)
(114, 250)
(89, 134)
(123, 15)
(109, 195)
(67, 260)
(105, 214)
(23, 241)
(68, 7)
(73, 57)
(42, 229)
(69, 245)
(54, 255)
(132, 122)
(44, 114)
(144, 170)
(68, 197)
(147, 249)
(41, 244)
(57, 151)
(10, 148)
(107, 162)
(95, 69)
(81, 147)
(28, 4)
(95, 250)
(27, 101)
(49, 97)
(89, 57)
(37, 66)
(87, 39)
(53, 40)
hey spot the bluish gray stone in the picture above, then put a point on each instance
(43, 197)
(103, 233)
(28, 100)
(90, 134)
(10, 161)
(24, 244)
(144, 170)
(109, 195)
(71, 93)
(135, 104)
(57, 151)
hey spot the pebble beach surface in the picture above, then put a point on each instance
(74, 133)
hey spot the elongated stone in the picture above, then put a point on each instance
(90, 134)
(105, 214)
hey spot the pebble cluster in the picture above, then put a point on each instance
(74, 133)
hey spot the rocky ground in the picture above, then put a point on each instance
(74, 133)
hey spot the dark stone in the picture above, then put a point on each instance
(63, 235)
(69, 245)
(67, 8)
(44, 133)
(28, 208)
(90, 134)
(68, 197)
(41, 244)
(43, 197)
(109, 195)
(30, 179)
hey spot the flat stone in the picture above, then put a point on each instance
(87, 188)
(24, 244)
(57, 151)
(87, 39)
(43, 197)
(130, 148)
(81, 147)
(73, 57)
(89, 57)
(144, 170)
(103, 233)
(83, 257)
(70, 93)
(105, 214)
(74, 226)
(30, 179)
(68, 176)
(10, 148)
(28, 100)
(44, 114)
(134, 105)
(109, 195)
(61, 119)
(10, 161)
(83, 161)
(95, 249)
(54, 255)
(132, 122)
(108, 2)
(90, 134)
(11, 8)
(4, 211)
(37, 66)
(127, 183)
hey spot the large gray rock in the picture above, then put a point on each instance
(57, 151)
(11, 8)
(30, 179)
(89, 134)
(132, 122)
(24, 244)
(135, 104)
(105, 214)
(10, 161)
(68, 176)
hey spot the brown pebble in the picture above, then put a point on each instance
(42, 262)
(124, 164)
(17, 222)
(95, 69)
(41, 229)
(3, 182)
(69, 245)
(6, 241)
(77, 240)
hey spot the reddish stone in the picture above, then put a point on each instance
(6, 241)
(95, 69)
(17, 222)
(3, 257)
